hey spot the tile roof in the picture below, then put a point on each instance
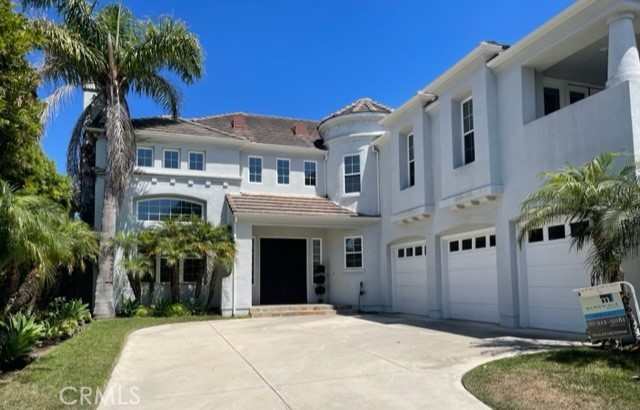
(266, 129)
(176, 126)
(362, 105)
(285, 205)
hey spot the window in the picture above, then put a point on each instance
(418, 250)
(481, 242)
(536, 235)
(401, 253)
(556, 232)
(454, 246)
(409, 252)
(171, 158)
(492, 240)
(190, 269)
(353, 252)
(316, 252)
(282, 166)
(145, 157)
(255, 169)
(309, 173)
(551, 100)
(165, 271)
(163, 209)
(411, 160)
(578, 228)
(196, 161)
(467, 131)
(351, 174)
(467, 244)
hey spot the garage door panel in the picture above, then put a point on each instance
(473, 311)
(568, 320)
(413, 292)
(557, 276)
(475, 277)
(474, 294)
(414, 279)
(411, 281)
(417, 307)
(553, 297)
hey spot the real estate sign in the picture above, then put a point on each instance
(604, 311)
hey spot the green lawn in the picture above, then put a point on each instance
(85, 360)
(571, 378)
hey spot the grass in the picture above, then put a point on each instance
(572, 378)
(85, 360)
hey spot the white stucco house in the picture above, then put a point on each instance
(416, 203)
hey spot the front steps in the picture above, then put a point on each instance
(298, 310)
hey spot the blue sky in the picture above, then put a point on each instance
(308, 58)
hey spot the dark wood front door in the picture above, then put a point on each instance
(283, 271)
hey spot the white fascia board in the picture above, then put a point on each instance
(284, 149)
(382, 139)
(309, 221)
(416, 102)
(575, 18)
(148, 171)
(146, 136)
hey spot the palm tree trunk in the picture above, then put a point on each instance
(175, 284)
(212, 285)
(104, 300)
(152, 289)
(199, 279)
(28, 294)
(134, 282)
(8, 286)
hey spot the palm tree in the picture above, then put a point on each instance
(224, 252)
(599, 194)
(136, 265)
(116, 54)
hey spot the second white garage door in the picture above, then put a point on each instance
(411, 278)
(472, 277)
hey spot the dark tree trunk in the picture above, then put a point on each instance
(201, 273)
(212, 285)
(175, 284)
(28, 294)
(134, 282)
(9, 281)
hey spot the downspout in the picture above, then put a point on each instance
(375, 151)
(326, 158)
(233, 278)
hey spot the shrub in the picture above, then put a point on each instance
(161, 308)
(320, 290)
(178, 310)
(195, 306)
(63, 318)
(129, 308)
(142, 311)
(18, 336)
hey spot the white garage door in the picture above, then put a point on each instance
(553, 271)
(472, 277)
(411, 278)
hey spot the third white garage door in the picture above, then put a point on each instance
(553, 271)
(410, 262)
(472, 277)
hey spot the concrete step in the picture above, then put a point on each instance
(298, 310)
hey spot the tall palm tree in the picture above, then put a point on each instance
(224, 252)
(136, 266)
(116, 54)
(598, 194)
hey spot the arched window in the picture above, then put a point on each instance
(161, 209)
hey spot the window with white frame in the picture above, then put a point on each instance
(144, 157)
(171, 158)
(255, 169)
(162, 209)
(196, 160)
(353, 252)
(190, 269)
(282, 166)
(309, 173)
(165, 271)
(468, 132)
(411, 160)
(316, 252)
(351, 174)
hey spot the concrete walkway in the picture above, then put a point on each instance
(321, 362)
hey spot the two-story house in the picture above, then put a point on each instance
(416, 203)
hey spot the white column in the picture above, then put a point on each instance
(624, 63)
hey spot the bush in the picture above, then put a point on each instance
(142, 311)
(195, 306)
(63, 318)
(161, 308)
(18, 336)
(320, 290)
(129, 308)
(179, 310)
(318, 279)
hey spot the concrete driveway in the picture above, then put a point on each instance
(321, 362)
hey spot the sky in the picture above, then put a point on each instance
(308, 58)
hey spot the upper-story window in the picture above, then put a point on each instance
(351, 174)
(283, 166)
(411, 160)
(145, 157)
(255, 169)
(558, 94)
(467, 131)
(171, 158)
(161, 209)
(196, 161)
(309, 173)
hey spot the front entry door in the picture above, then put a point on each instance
(283, 271)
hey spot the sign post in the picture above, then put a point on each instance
(604, 311)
